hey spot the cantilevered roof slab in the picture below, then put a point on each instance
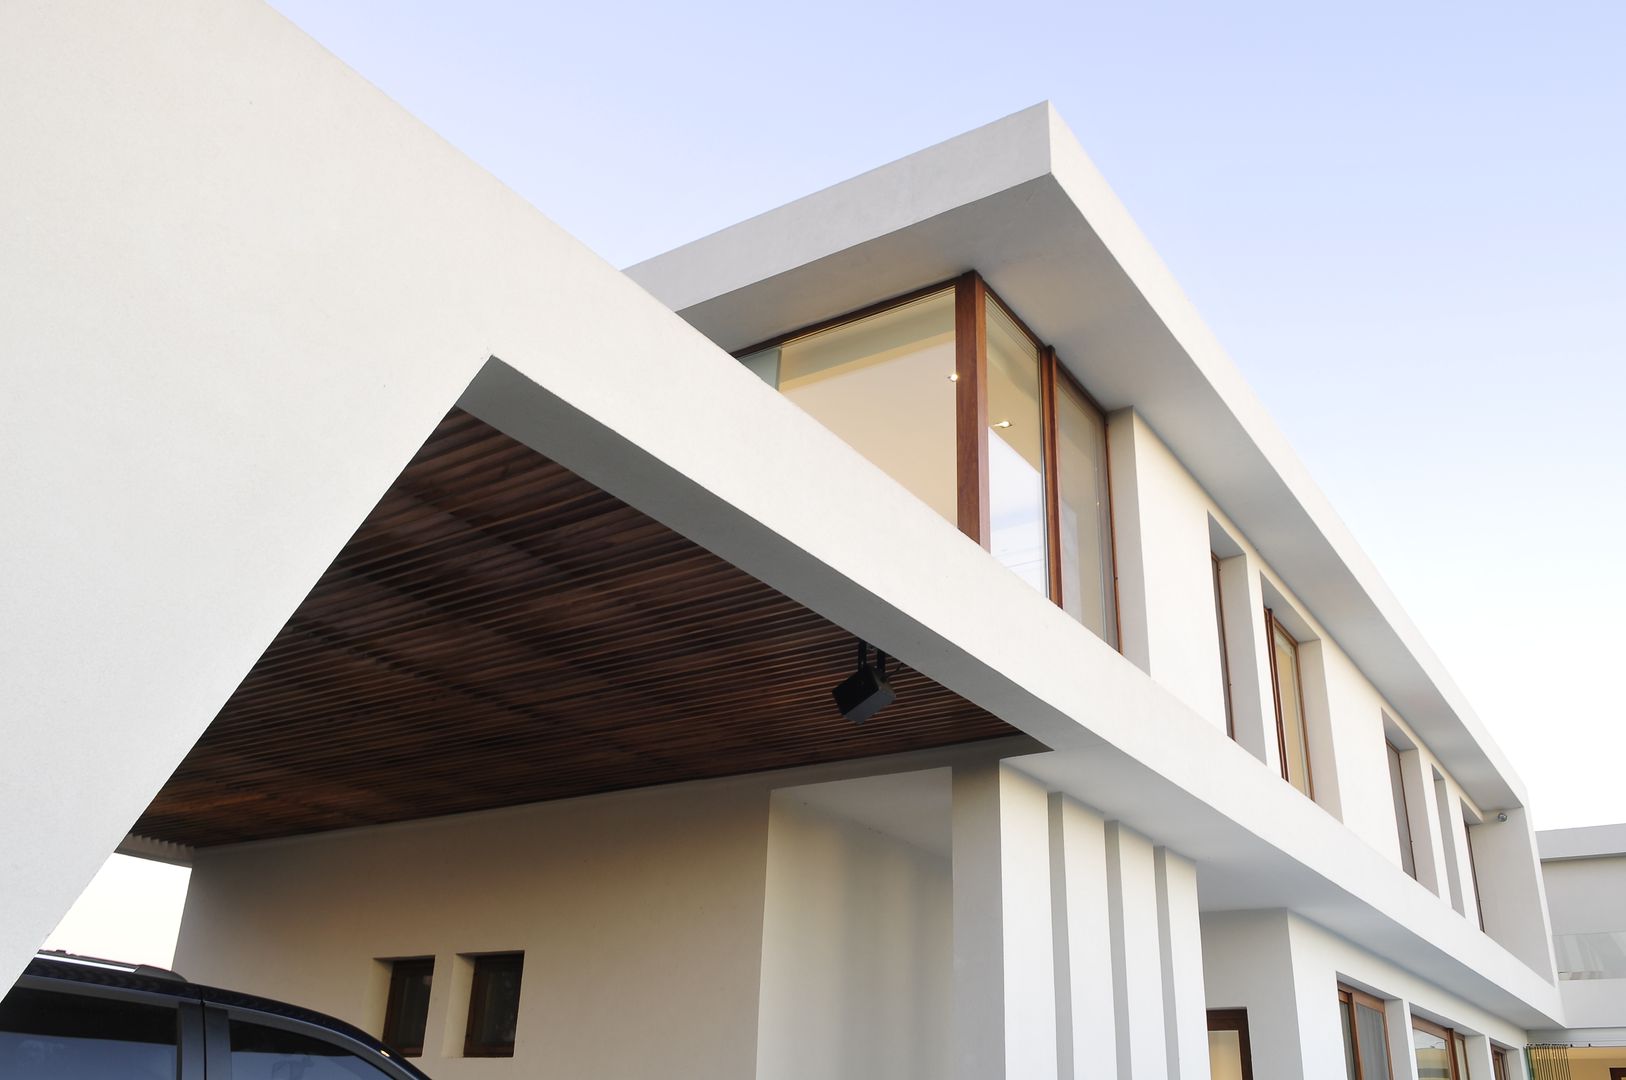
(1020, 202)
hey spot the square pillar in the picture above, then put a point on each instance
(1004, 970)
(1180, 942)
(1137, 965)
(1086, 1028)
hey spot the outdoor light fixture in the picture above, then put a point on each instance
(865, 692)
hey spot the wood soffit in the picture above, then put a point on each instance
(500, 631)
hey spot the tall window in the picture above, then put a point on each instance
(1499, 1063)
(948, 392)
(1225, 657)
(406, 1011)
(1366, 1035)
(1473, 872)
(1016, 473)
(1397, 788)
(1084, 515)
(494, 1005)
(1288, 687)
(1439, 1051)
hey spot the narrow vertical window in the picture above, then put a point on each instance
(1085, 526)
(494, 1005)
(406, 1011)
(1366, 1035)
(1224, 655)
(1016, 480)
(1499, 1063)
(1397, 788)
(1288, 689)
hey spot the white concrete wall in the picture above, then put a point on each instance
(1167, 528)
(640, 916)
(857, 950)
(1586, 895)
(1285, 970)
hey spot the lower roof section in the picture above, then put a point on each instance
(500, 631)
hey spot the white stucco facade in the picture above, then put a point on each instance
(243, 287)
(1585, 874)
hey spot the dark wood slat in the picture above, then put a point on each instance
(500, 631)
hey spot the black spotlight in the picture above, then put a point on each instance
(866, 691)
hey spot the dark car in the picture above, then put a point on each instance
(81, 1019)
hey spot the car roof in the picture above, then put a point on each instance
(94, 971)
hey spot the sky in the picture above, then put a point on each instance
(1405, 221)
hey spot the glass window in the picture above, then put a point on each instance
(1366, 1036)
(885, 384)
(1086, 520)
(1284, 672)
(494, 1005)
(406, 1013)
(267, 1053)
(1397, 788)
(1433, 1052)
(1499, 1063)
(1016, 517)
(48, 1035)
(1225, 657)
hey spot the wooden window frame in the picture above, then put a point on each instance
(1390, 750)
(1354, 998)
(1272, 625)
(1225, 652)
(477, 1004)
(400, 970)
(1458, 1071)
(971, 299)
(1235, 1020)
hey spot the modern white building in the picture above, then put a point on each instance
(1585, 874)
(467, 613)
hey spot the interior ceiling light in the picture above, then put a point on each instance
(954, 377)
(866, 691)
(1003, 423)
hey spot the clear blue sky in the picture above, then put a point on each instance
(1405, 221)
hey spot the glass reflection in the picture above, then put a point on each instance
(1015, 451)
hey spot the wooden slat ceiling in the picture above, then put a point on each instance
(500, 631)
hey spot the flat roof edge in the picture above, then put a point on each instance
(1009, 151)
(1586, 842)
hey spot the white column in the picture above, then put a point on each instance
(1180, 941)
(1253, 705)
(1428, 854)
(1402, 1051)
(1086, 1033)
(1453, 838)
(1480, 1066)
(1137, 967)
(1004, 973)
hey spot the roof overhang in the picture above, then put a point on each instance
(1018, 201)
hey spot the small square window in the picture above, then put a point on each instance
(494, 1005)
(406, 1012)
